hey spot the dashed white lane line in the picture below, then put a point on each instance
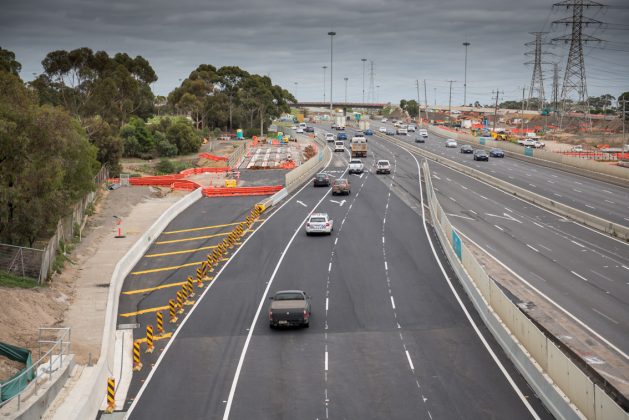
(452, 198)
(606, 316)
(575, 190)
(386, 266)
(472, 211)
(464, 187)
(608, 192)
(302, 203)
(538, 225)
(327, 304)
(329, 267)
(579, 275)
(336, 240)
(532, 185)
(392, 303)
(610, 201)
(326, 361)
(578, 244)
(436, 177)
(545, 247)
(590, 207)
(578, 183)
(533, 248)
(410, 362)
(558, 195)
(383, 239)
(483, 197)
(625, 267)
(498, 227)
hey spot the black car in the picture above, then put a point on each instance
(420, 139)
(322, 180)
(481, 155)
(466, 148)
(497, 153)
(309, 129)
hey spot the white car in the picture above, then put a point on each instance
(384, 120)
(355, 166)
(451, 143)
(339, 146)
(299, 130)
(383, 129)
(319, 223)
(383, 167)
(329, 137)
(411, 128)
(401, 131)
(423, 132)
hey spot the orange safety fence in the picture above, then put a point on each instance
(240, 191)
(185, 185)
(215, 158)
(194, 171)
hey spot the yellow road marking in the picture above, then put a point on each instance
(156, 337)
(194, 238)
(185, 251)
(172, 232)
(172, 267)
(162, 286)
(144, 311)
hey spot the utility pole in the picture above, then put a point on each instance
(425, 97)
(450, 103)
(522, 114)
(537, 81)
(574, 76)
(497, 93)
(364, 60)
(324, 72)
(419, 113)
(346, 79)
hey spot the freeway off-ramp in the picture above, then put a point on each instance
(388, 338)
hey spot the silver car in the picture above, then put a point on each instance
(451, 143)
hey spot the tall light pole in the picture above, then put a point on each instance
(324, 71)
(331, 73)
(465, 44)
(364, 60)
(346, 79)
(378, 93)
(296, 85)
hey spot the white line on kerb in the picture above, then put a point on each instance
(410, 362)
(392, 302)
(579, 275)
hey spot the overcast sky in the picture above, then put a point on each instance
(287, 40)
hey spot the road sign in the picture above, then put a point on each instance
(456, 243)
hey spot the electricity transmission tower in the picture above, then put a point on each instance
(574, 76)
(537, 81)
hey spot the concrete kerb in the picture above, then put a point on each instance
(553, 397)
(87, 395)
(594, 170)
(595, 222)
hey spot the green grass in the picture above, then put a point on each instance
(10, 280)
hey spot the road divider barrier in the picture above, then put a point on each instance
(614, 229)
(566, 390)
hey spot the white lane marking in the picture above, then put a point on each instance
(386, 266)
(590, 207)
(452, 198)
(610, 201)
(575, 190)
(464, 187)
(506, 216)
(508, 209)
(216, 278)
(578, 244)
(498, 227)
(578, 275)
(327, 304)
(625, 267)
(336, 240)
(531, 185)
(392, 302)
(538, 225)
(326, 361)
(330, 266)
(606, 316)
(550, 182)
(458, 298)
(472, 211)
(410, 362)
(457, 215)
(577, 182)
(302, 203)
(436, 177)
(383, 239)
(558, 195)
(608, 192)
(545, 247)
(483, 197)
(539, 292)
(340, 203)
(602, 275)
(534, 249)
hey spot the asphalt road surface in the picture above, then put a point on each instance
(391, 336)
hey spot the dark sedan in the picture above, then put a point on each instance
(309, 129)
(466, 148)
(497, 153)
(322, 180)
(481, 155)
(341, 136)
(369, 132)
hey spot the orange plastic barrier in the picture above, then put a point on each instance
(185, 185)
(213, 157)
(240, 191)
(194, 171)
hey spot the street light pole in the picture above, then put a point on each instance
(296, 85)
(378, 93)
(331, 73)
(346, 79)
(364, 60)
(465, 44)
(324, 71)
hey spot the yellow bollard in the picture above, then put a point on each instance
(191, 286)
(179, 302)
(111, 395)
(137, 364)
(159, 320)
(172, 308)
(149, 339)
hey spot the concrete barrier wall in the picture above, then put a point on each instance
(592, 169)
(613, 229)
(88, 393)
(566, 390)
(304, 172)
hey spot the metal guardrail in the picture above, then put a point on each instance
(46, 365)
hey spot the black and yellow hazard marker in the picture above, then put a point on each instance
(172, 309)
(159, 321)
(137, 364)
(190, 285)
(111, 395)
(149, 339)
(179, 302)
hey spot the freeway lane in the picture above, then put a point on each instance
(369, 370)
(598, 198)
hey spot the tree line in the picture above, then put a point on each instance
(88, 109)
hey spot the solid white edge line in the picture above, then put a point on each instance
(216, 277)
(539, 292)
(465, 311)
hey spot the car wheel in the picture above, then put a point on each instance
(307, 325)
(307, 233)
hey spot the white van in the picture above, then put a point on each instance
(302, 125)
(423, 132)
(339, 146)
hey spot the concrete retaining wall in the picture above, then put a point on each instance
(566, 391)
(88, 393)
(613, 229)
(585, 167)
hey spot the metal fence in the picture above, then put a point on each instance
(43, 368)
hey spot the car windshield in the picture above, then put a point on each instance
(320, 176)
(289, 296)
(317, 219)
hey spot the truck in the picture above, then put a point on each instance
(340, 123)
(359, 147)
(289, 308)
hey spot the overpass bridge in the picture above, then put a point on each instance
(343, 105)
